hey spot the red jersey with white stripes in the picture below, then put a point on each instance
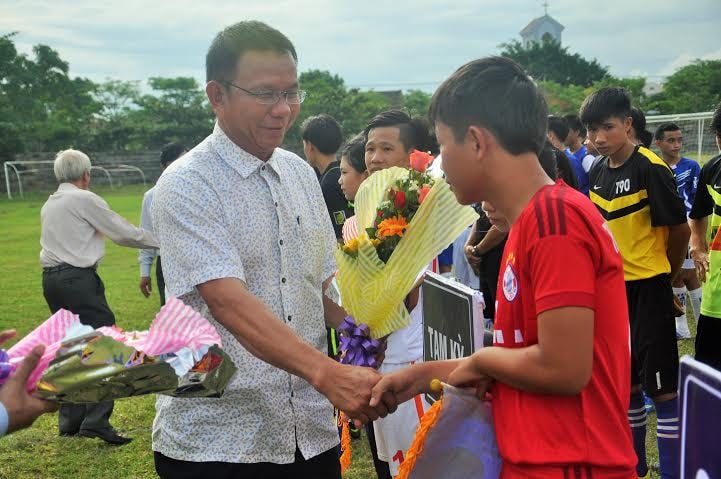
(560, 253)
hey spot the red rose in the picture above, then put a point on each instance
(425, 189)
(400, 200)
(380, 213)
(420, 160)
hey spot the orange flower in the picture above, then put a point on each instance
(420, 160)
(394, 226)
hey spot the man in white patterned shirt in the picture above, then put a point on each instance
(74, 224)
(247, 241)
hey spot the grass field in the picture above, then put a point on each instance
(38, 452)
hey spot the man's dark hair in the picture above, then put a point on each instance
(323, 132)
(638, 120)
(605, 103)
(413, 132)
(565, 169)
(645, 137)
(663, 128)
(231, 43)
(716, 121)
(354, 150)
(574, 123)
(170, 153)
(558, 127)
(496, 94)
(547, 158)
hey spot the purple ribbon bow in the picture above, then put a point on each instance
(5, 367)
(356, 345)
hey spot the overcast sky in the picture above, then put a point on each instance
(375, 44)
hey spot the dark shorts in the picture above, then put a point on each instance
(322, 466)
(654, 351)
(708, 341)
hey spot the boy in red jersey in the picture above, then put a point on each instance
(558, 370)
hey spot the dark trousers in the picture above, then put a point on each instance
(81, 291)
(323, 466)
(490, 269)
(160, 281)
(708, 341)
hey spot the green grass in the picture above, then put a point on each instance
(38, 451)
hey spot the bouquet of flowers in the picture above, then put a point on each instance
(179, 355)
(406, 217)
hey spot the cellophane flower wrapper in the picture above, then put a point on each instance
(180, 355)
(373, 291)
(455, 440)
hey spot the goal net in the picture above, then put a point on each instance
(699, 142)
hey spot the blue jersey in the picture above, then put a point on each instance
(577, 163)
(687, 172)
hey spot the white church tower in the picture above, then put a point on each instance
(541, 29)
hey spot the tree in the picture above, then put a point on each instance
(41, 107)
(327, 93)
(416, 102)
(549, 61)
(693, 88)
(113, 129)
(177, 111)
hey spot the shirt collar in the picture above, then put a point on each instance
(237, 158)
(67, 187)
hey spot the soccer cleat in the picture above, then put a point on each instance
(648, 403)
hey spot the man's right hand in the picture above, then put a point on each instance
(701, 261)
(472, 259)
(146, 286)
(349, 389)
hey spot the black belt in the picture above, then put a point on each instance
(64, 266)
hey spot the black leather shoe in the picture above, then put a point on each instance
(110, 436)
(68, 433)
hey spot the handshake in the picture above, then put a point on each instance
(364, 394)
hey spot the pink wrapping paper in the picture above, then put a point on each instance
(176, 326)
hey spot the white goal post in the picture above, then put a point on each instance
(19, 168)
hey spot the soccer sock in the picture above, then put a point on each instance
(637, 420)
(681, 321)
(667, 434)
(696, 302)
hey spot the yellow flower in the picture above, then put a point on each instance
(375, 242)
(351, 246)
(392, 227)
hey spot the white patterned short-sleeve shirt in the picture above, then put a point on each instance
(220, 212)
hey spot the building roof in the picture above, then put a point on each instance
(537, 21)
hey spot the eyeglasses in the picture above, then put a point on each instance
(292, 97)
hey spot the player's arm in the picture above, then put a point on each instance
(559, 364)
(703, 205)
(667, 209)
(678, 236)
(698, 245)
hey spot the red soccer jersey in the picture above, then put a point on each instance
(560, 253)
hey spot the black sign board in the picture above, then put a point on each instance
(700, 420)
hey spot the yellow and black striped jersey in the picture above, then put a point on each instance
(708, 203)
(639, 200)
